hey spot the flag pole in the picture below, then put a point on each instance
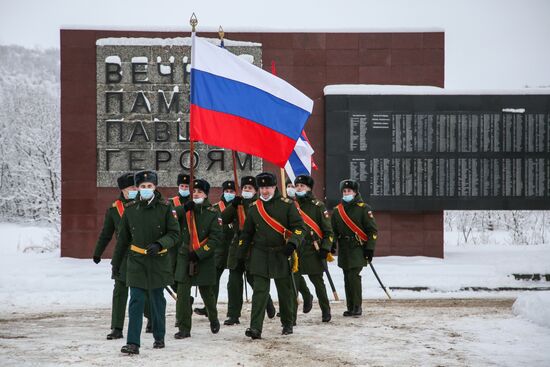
(282, 170)
(193, 21)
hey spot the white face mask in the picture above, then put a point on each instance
(248, 194)
(291, 191)
(198, 200)
(266, 199)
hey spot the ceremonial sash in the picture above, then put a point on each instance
(351, 225)
(242, 216)
(194, 233)
(277, 227)
(309, 221)
(119, 207)
(221, 204)
(176, 201)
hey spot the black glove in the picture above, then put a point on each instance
(153, 249)
(237, 201)
(289, 249)
(114, 272)
(323, 253)
(97, 259)
(333, 248)
(368, 253)
(188, 206)
(193, 256)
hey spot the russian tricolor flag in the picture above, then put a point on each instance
(236, 105)
(300, 161)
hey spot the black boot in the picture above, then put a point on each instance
(149, 327)
(182, 334)
(215, 326)
(357, 311)
(158, 344)
(348, 313)
(232, 321)
(130, 349)
(253, 333)
(308, 304)
(270, 308)
(287, 330)
(326, 316)
(201, 311)
(115, 334)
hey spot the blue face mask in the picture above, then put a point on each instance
(301, 194)
(132, 194)
(347, 198)
(291, 191)
(146, 193)
(228, 196)
(184, 193)
(248, 194)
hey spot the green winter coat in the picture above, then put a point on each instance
(309, 261)
(110, 227)
(222, 251)
(145, 222)
(350, 250)
(208, 224)
(266, 245)
(230, 217)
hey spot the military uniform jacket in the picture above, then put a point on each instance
(208, 224)
(230, 217)
(228, 229)
(309, 260)
(266, 245)
(145, 222)
(180, 213)
(350, 251)
(110, 227)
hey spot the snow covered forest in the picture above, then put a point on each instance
(30, 182)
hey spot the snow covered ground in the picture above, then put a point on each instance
(62, 306)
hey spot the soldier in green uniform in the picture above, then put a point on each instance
(356, 233)
(299, 280)
(198, 248)
(128, 192)
(221, 252)
(312, 253)
(272, 231)
(237, 267)
(148, 228)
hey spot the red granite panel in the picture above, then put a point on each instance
(375, 57)
(375, 75)
(309, 40)
(342, 57)
(342, 41)
(342, 74)
(407, 56)
(434, 40)
(406, 40)
(375, 40)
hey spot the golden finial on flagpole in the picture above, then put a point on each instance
(193, 21)
(221, 33)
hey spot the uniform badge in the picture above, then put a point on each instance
(297, 231)
(325, 213)
(370, 214)
(220, 222)
(374, 236)
(174, 214)
(206, 248)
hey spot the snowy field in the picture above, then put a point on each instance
(55, 311)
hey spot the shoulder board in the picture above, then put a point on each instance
(212, 209)
(216, 205)
(165, 202)
(114, 204)
(253, 203)
(286, 200)
(316, 202)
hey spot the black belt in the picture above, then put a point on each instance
(347, 238)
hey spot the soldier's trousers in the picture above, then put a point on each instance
(118, 310)
(301, 285)
(320, 292)
(352, 284)
(219, 272)
(235, 287)
(157, 304)
(260, 298)
(183, 305)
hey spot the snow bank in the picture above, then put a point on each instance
(534, 307)
(176, 41)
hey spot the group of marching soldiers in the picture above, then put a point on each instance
(257, 233)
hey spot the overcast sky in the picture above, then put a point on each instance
(489, 44)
